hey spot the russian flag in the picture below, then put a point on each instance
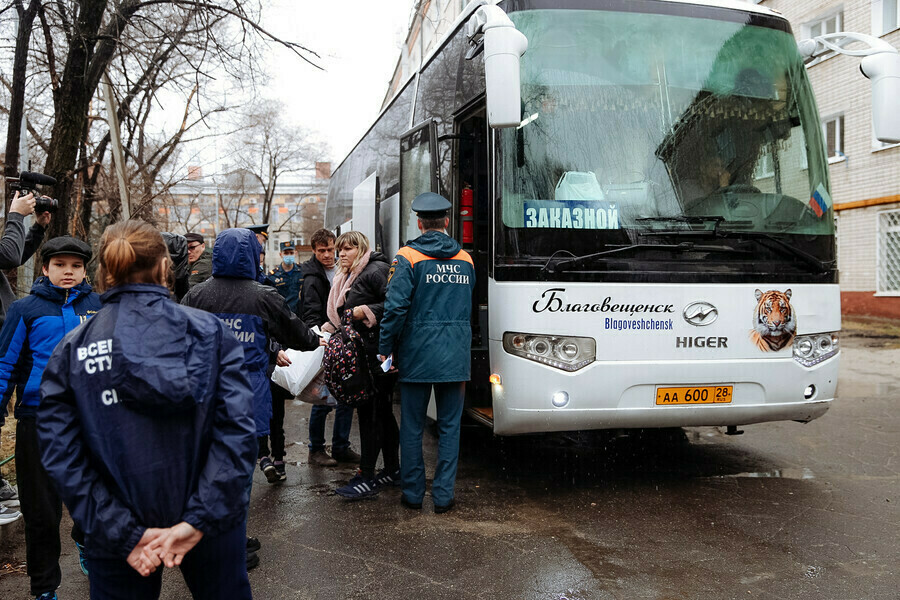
(819, 201)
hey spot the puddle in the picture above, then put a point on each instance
(777, 473)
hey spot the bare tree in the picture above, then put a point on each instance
(144, 45)
(265, 148)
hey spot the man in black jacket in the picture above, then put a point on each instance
(318, 273)
(17, 246)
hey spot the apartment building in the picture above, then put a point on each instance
(207, 205)
(865, 173)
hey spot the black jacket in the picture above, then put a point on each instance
(313, 304)
(369, 289)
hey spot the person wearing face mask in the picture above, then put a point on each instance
(287, 278)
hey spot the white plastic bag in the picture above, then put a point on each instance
(578, 185)
(316, 392)
(303, 368)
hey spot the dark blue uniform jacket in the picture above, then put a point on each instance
(288, 284)
(146, 421)
(426, 322)
(254, 312)
(33, 327)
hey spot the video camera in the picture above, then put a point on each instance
(26, 182)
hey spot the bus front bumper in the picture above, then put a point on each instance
(615, 395)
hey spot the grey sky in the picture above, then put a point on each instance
(359, 41)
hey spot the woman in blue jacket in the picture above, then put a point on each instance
(58, 303)
(146, 427)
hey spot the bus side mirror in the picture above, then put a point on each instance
(503, 47)
(883, 69)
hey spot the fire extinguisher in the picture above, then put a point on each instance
(467, 215)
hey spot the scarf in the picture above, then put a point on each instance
(340, 287)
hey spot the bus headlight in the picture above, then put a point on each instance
(568, 353)
(810, 350)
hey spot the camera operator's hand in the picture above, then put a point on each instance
(24, 205)
(42, 218)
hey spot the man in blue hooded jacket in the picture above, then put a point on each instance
(255, 313)
(426, 326)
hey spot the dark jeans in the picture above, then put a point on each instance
(215, 568)
(41, 509)
(276, 425)
(343, 421)
(378, 431)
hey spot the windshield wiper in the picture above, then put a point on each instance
(761, 237)
(577, 261)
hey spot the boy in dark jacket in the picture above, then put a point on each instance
(59, 302)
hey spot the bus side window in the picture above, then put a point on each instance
(417, 173)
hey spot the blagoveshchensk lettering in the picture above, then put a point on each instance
(553, 300)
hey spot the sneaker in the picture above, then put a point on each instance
(441, 509)
(9, 495)
(253, 544)
(47, 596)
(8, 515)
(345, 455)
(81, 562)
(320, 458)
(279, 468)
(358, 488)
(385, 478)
(268, 468)
(252, 560)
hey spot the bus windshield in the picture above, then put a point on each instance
(662, 148)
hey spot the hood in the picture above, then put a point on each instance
(178, 250)
(236, 254)
(151, 352)
(436, 244)
(44, 289)
(379, 257)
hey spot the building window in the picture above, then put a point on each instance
(831, 23)
(887, 280)
(833, 130)
(886, 17)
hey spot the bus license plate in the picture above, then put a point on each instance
(718, 394)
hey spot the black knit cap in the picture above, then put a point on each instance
(66, 245)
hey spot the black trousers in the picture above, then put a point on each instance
(41, 509)
(378, 431)
(215, 569)
(276, 425)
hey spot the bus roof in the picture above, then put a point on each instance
(742, 5)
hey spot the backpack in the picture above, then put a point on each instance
(345, 365)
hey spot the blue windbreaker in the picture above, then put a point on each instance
(146, 421)
(427, 312)
(255, 313)
(34, 326)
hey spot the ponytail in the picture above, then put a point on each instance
(130, 253)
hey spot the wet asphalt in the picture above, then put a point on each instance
(786, 510)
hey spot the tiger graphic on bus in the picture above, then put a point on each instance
(774, 325)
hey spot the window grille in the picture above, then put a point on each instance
(887, 269)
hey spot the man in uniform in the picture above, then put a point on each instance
(199, 259)
(262, 236)
(287, 277)
(426, 326)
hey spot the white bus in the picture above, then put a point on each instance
(653, 237)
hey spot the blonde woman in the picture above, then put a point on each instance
(360, 285)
